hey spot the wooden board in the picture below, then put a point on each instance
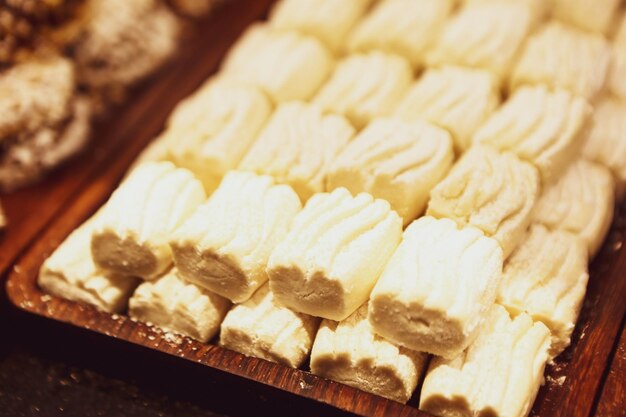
(612, 402)
(573, 385)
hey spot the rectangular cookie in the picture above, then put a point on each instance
(225, 245)
(562, 56)
(498, 375)
(297, 146)
(210, 131)
(396, 161)
(404, 27)
(171, 303)
(605, 142)
(543, 127)
(365, 86)
(457, 99)
(546, 278)
(493, 191)
(328, 20)
(262, 328)
(437, 288)
(70, 273)
(351, 353)
(131, 234)
(284, 64)
(486, 35)
(580, 202)
(335, 251)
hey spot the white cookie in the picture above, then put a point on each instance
(297, 147)
(538, 8)
(262, 328)
(397, 161)
(351, 353)
(498, 375)
(546, 278)
(335, 251)
(617, 75)
(492, 191)
(171, 303)
(485, 36)
(132, 232)
(365, 86)
(286, 65)
(564, 57)
(225, 245)
(210, 131)
(328, 20)
(437, 288)
(454, 98)
(542, 127)
(591, 15)
(404, 27)
(70, 273)
(580, 202)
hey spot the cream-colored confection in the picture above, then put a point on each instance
(457, 99)
(617, 75)
(437, 288)
(542, 127)
(70, 273)
(580, 202)
(328, 20)
(591, 15)
(562, 56)
(210, 131)
(365, 86)
(297, 146)
(485, 36)
(225, 245)
(262, 328)
(492, 191)
(396, 161)
(404, 27)
(606, 141)
(546, 278)
(335, 251)
(285, 64)
(539, 8)
(131, 235)
(498, 375)
(173, 304)
(351, 353)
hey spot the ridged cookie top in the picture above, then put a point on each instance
(210, 131)
(498, 374)
(446, 268)
(538, 8)
(591, 15)
(457, 99)
(617, 75)
(546, 277)
(330, 232)
(151, 203)
(487, 36)
(328, 20)
(606, 142)
(244, 218)
(404, 27)
(298, 145)
(565, 57)
(35, 94)
(581, 202)
(493, 191)
(396, 161)
(287, 65)
(365, 86)
(542, 127)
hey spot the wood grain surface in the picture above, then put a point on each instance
(574, 384)
(612, 402)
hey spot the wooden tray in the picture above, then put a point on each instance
(574, 384)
